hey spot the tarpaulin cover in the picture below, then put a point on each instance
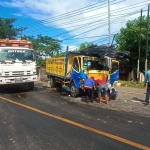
(105, 50)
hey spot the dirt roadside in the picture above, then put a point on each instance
(129, 100)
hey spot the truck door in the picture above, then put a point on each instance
(75, 74)
(114, 73)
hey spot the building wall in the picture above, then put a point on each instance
(41, 72)
(131, 76)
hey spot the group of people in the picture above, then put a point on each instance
(103, 89)
(107, 91)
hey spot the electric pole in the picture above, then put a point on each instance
(109, 30)
(138, 64)
(147, 40)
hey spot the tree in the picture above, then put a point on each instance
(85, 45)
(44, 44)
(128, 39)
(7, 30)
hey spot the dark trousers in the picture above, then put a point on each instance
(112, 95)
(89, 92)
(147, 93)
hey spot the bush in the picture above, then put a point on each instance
(41, 62)
(132, 84)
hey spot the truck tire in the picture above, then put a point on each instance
(74, 92)
(1, 89)
(52, 82)
(31, 85)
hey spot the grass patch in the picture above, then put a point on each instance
(132, 84)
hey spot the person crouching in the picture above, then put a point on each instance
(112, 92)
(89, 88)
(102, 88)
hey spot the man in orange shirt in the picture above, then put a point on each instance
(102, 87)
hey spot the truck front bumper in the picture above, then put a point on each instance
(17, 80)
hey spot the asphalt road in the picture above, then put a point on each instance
(45, 119)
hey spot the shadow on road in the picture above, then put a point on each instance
(137, 99)
(21, 89)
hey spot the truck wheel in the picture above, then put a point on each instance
(74, 92)
(52, 82)
(1, 89)
(31, 85)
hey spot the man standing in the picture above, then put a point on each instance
(89, 91)
(147, 80)
(102, 87)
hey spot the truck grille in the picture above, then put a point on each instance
(17, 73)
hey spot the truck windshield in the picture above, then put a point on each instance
(16, 55)
(95, 63)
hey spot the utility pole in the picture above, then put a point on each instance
(66, 63)
(138, 64)
(147, 40)
(113, 39)
(109, 30)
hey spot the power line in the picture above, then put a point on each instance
(69, 12)
(52, 20)
(105, 23)
(91, 37)
(61, 17)
(86, 31)
(89, 10)
(122, 8)
(81, 26)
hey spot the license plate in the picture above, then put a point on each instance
(18, 80)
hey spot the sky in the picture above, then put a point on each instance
(71, 21)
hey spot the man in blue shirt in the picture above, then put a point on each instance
(147, 80)
(89, 91)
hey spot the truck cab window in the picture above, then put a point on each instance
(75, 64)
(95, 63)
(115, 67)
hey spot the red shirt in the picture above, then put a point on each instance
(100, 82)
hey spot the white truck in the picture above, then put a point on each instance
(17, 63)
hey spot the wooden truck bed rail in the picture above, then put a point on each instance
(56, 66)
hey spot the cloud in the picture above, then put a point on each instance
(19, 15)
(93, 21)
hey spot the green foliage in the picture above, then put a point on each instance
(41, 62)
(48, 46)
(128, 39)
(7, 29)
(132, 84)
(85, 45)
(60, 54)
(44, 44)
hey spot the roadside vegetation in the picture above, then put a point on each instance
(131, 84)
(128, 39)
